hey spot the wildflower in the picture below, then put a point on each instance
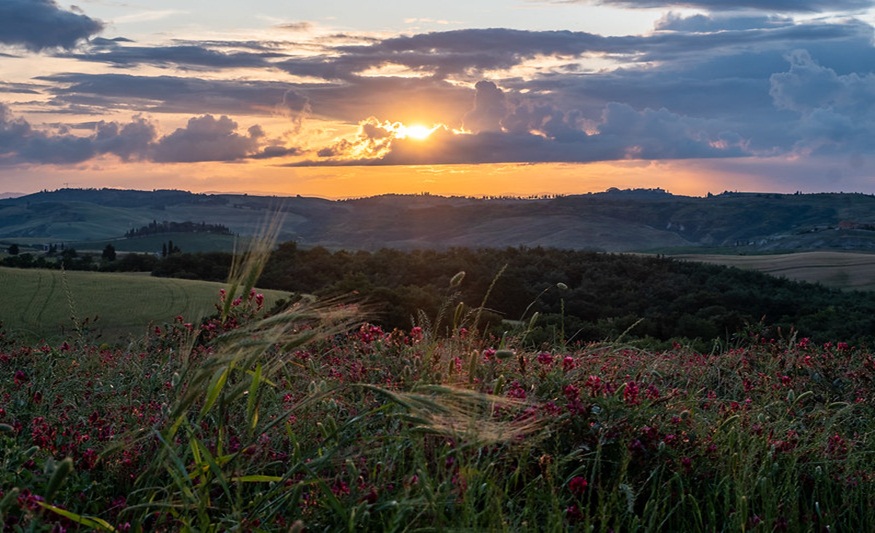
(630, 393)
(687, 463)
(594, 384)
(577, 485)
(545, 358)
(568, 363)
(516, 391)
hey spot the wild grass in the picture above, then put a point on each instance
(309, 419)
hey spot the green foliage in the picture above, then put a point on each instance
(604, 293)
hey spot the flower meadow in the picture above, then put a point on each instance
(312, 419)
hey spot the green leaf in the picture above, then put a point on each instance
(92, 522)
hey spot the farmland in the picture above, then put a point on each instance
(841, 270)
(39, 303)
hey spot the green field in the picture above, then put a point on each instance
(40, 304)
(848, 271)
(187, 242)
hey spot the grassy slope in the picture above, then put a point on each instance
(35, 302)
(833, 269)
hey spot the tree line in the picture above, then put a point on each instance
(154, 228)
(584, 296)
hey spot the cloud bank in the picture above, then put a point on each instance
(41, 24)
(204, 138)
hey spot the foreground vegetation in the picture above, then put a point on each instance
(310, 419)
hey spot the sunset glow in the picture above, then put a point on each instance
(415, 131)
(262, 97)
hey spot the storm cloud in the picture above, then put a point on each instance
(41, 24)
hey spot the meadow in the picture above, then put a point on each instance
(314, 419)
(841, 270)
(51, 304)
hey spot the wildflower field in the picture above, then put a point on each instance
(311, 420)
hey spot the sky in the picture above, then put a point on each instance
(344, 98)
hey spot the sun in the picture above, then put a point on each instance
(417, 132)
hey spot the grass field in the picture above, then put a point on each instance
(41, 303)
(187, 242)
(833, 269)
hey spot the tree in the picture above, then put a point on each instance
(68, 256)
(13, 249)
(109, 253)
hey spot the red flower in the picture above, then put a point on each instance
(577, 485)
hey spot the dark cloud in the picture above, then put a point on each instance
(204, 138)
(41, 24)
(469, 53)
(711, 23)
(489, 109)
(796, 6)
(172, 94)
(271, 152)
(128, 141)
(296, 26)
(836, 112)
(186, 56)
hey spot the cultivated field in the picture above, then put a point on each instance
(42, 303)
(834, 269)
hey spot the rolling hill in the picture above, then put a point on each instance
(613, 221)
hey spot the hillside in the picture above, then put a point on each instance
(41, 304)
(838, 270)
(614, 221)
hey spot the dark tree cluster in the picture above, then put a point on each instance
(589, 295)
(155, 228)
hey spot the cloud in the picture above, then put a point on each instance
(302, 26)
(204, 138)
(489, 108)
(41, 24)
(528, 131)
(836, 112)
(172, 94)
(732, 5)
(186, 56)
(700, 23)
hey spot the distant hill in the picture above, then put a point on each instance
(649, 220)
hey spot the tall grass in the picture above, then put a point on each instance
(310, 419)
